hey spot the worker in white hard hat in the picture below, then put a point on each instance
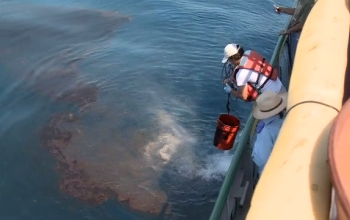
(252, 74)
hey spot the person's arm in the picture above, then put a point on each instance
(241, 92)
(300, 23)
(242, 79)
(289, 11)
(296, 28)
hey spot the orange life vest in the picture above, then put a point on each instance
(254, 61)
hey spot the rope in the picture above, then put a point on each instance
(228, 106)
(226, 74)
(316, 102)
(227, 71)
(228, 103)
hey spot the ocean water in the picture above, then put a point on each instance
(108, 108)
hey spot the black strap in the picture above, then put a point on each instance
(267, 79)
(259, 75)
(271, 109)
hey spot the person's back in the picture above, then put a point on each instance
(244, 76)
(269, 110)
(266, 139)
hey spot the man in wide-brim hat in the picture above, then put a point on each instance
(269, 110)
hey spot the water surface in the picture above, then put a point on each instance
(108, 108)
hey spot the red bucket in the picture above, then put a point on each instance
(226, 131)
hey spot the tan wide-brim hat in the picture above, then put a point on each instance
(269, 104)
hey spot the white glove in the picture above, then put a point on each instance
(227, 88)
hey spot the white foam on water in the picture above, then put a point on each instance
(216, 166)
(175, 146)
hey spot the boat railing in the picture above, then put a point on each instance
(281, 59)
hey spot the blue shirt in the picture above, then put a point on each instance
(265, 140)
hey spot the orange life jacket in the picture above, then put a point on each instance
(254, 61)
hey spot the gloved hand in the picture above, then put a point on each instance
(227, 88)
